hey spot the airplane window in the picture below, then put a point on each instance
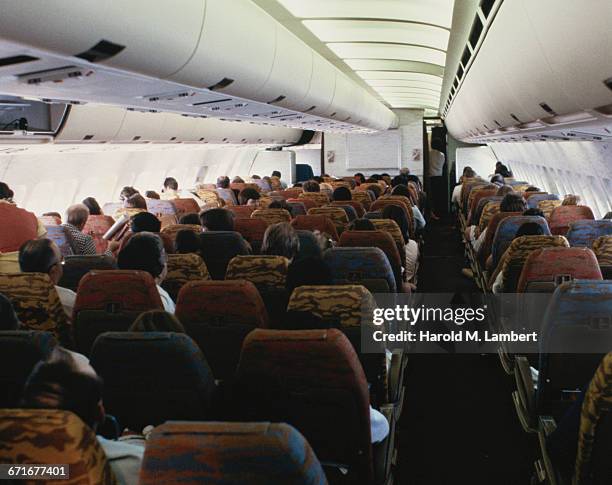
(97, 187)
(150, 180)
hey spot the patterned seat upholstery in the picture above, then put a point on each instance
(336, 214)
(576, 335)
(488, 211)
(518, 252)
(291, 193)
(390, 227)
(172, 230)
(584, 233)
(20, 350)
(363, 197)
(485, 249)
(376, 239)
(272, 216)
(316, 223)
(466, 188)
(308, 203)
(268, 453)
(75, 267)
(96, 227)
(475, 197)
(602, 247)
(218, 315)
(482, 203)
(183, 268)
(37, 304)
(592, 458)
(217, 248)
(241, 211)
(506, 231)
(373, 215)
(60, 236)
(547, 206)
(398, 201)
(306, 378)
(150, 377)
(209, 197)
(318, 198)
(534, 200)
(351, 214)
(110, 301)
(561, 217)
(54, 436)
(362, 266)
(356, 205)
(185, 206)
(297, 209)
(252, 230)
(262, 270)
(544, 269)
(159, 207)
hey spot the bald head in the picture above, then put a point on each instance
(77, 215)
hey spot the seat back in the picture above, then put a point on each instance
(362, 197)
(218, 315)
(96, 227)
(361, 266)
(160, 208)
(263, 271)
(336, 214)
(488, 211)
(297, 209)
(506, 231)
(316, 223)
(547, 206)
(185, 206)
(172, 230)
(398, 201)
(546, 268)
(59, 235)
(534, 200)
(150, 377)
(209, 197)
(217, 248)
(49, 220)
(75, 267)
(37, 304)
(252, 230)
(584, 233)
(110, 301)
(351, 214)
(208, 453)
(20, 350)
(576, 334)
(241, 211)
(602, 247)
(272, 216)
(54, 436)
(475, 210)
(111, 207)
(355, 204)
(307, 378)
(485, 249)
(319, 198)
(291, 193)
(183, 268)
(561, 217)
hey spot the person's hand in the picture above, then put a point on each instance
(113, 245)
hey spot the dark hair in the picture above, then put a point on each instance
(54, 214)
(298, 184)
(151, 194)
(145, 252)
(377, 189)
(170, 183)
(57, 383)
(415, 179)
(5, 192)
(157, 321)
(186, 242)
(342, 193)
(279, 204)
(217, 220)
(136, 201)
(497, 179)
(311, 186)
(529, 229)
(8, 317)
(398, 215)
(190, 218)
(504, 189)
(376, 177)
(512, 202)
(223, 182)
(531, 188)
(276, 173)
(255, 177)
(362, 225)
(360, 176)
(308, 271)
(145, 222)
(37, 256)
(533, 212)
(281, 240)
(237, 180)
(127, 192)
(468, 172)
(399, 180)
(93, 206)
(317, 179)
(247, 194)
(401, 190)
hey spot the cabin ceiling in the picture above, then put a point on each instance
(394, 48)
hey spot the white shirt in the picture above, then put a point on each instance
(456, 198)
(379, 426)
(166, 300)
(419, 220)
(124, 460)
(436, 163)
(67, 297)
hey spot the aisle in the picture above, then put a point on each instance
(459, 425)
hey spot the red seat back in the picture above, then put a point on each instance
(185, 206)
(241, 211)
(96, 227)
(561, 217)
(314, 223)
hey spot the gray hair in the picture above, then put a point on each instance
(77, 215)
(281, 240)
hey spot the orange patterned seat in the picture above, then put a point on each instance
(316, 223)
(185, 206)
(96, 227)
(183, 268)
(272, 216)
(318, 198)
(336, 214)
(242, 211)
(561, 217)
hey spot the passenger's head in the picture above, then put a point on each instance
(497, 179)
(170, 184)
(276, 173)
(145, 252)
(41, 256)
(55, 214)
(533, 212)
(77, 215)
(157, 321)
(151, 194)
(361, 225)
(279, 204)
(571, 199)
(532, 189)
(5, 192)
(342, 193)
(93, 206)
(217, 220)
(8, 317)
(401, 190)
(60, 382)
(255, 177)
(187, 242)
(359, 178)
(237, 180)
(398, 215)
(504, 189)
(468, 172)
(145, 222)
(513, 203)
(529, 229)
(399, 180)
(127, 192)
(308, 271)
(416, 180)
(281, 240)
(311, 186)
(223, 182)
(190, 218)
(135, 201)
(248, 194)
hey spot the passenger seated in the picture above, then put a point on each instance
(191, 218)
(18, 226)
(43, 256)
(134, 204)
(277, 174)
(145, 252)
(419, 220)
(281, 240)
(533, 212)
(217, 220)
(151, 194)
(249, 196)
(468, 172)
(187, 242)
(361, 225)
(145, 222)
(342, 193)
(157, 321)
(571, 199)
(81, 243)
(497, 179)
(93, 206)
(359, 178)
(308, 271)
(127, 192)
(170, 190)
(280, 204)
(311, 186)
(8, 317)
(63, 382)
(237, 180)
(411, 248)
(224, 191)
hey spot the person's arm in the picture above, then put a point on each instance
(41, 230)
(418, 217)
